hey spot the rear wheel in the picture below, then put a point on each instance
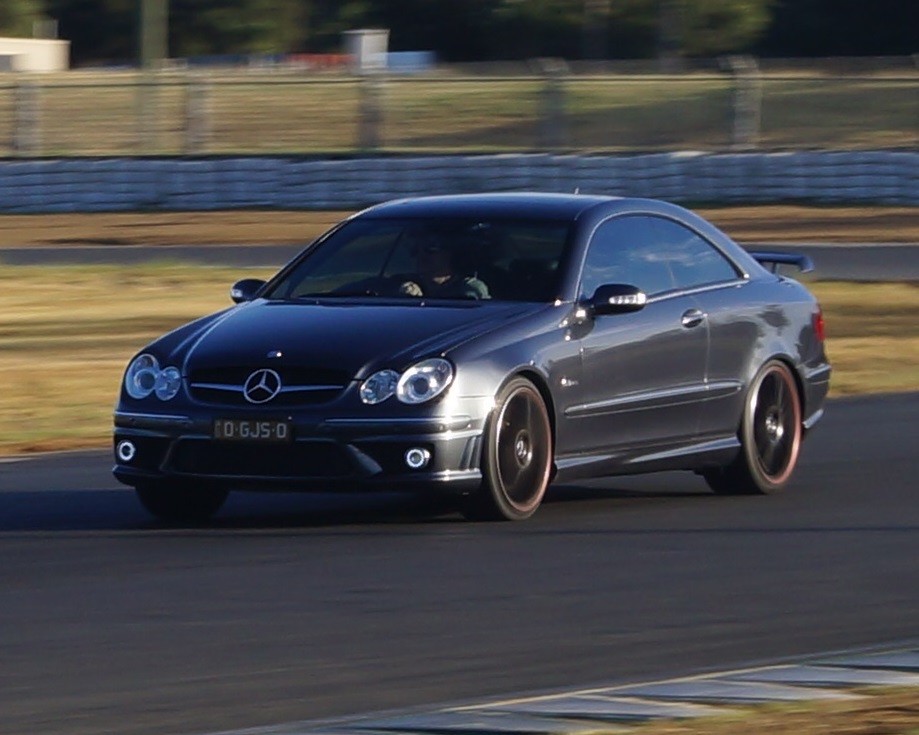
(176, 502)
(517, 456)
(770, 436)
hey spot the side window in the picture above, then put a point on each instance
(625, 250)
(693, 260)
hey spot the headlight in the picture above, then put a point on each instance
(424, 381)
(144, 377)
(140, 379)
(379, 386)
(420, 383)
(168, 383)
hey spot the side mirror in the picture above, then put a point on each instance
(246, 289)
(617, 298)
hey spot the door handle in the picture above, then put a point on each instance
(692, 318)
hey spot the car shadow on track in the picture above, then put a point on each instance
(118, 509)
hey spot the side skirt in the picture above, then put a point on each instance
(633, 461)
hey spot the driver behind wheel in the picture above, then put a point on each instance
(436, 273)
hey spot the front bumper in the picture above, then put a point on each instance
(324, 454)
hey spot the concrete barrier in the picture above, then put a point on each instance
(182, 183)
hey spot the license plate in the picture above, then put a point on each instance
(252, 431)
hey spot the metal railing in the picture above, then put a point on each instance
(109, 113)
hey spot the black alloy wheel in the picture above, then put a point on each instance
(517, 456)
(770, 436)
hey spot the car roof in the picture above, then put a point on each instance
(564, 207)
(588, 209)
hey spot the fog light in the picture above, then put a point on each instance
(417, 457)
(126, 451)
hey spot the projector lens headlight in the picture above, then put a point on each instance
(141, 378)
(144, 377)
(424, 381)
(379, 386)
(168, 383)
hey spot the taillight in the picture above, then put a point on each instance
(819, 327)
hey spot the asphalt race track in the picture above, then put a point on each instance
(299, 607)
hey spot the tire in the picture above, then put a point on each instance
(516, 458)
(180, 502)
(770, 436)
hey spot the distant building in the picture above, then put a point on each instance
(367, 49)
(34, 54)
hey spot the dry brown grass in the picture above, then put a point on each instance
(783, 222)
(798, 223)
(238, 227)
(877, 712)
(96, 112)
(872, 335)
(67, 332)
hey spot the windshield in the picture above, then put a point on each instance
(432, 259)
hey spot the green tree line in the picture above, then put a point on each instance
(471, 30)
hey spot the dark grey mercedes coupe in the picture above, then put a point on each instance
(482, 346)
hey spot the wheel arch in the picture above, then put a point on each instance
(789, 362)
(542, 385)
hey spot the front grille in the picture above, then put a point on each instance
(241, 459)
(236, 375)
(300, 386)
(221, 397)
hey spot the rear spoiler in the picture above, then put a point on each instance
(773, 260)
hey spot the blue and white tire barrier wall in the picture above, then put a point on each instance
(124, 184)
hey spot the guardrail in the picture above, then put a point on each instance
(125, 184)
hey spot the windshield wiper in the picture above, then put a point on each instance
(336, 294)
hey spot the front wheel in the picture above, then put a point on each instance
(770, 436)
(517, 456)
(180, 502)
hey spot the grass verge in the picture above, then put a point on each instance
(66, 333)
(884, 711)
(96, 112)
(750, 223)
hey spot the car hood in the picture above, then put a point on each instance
(356, 337)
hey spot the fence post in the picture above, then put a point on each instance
(27, 119)
(916, 100)
(553, 133)
(370, 112)
(198, 117)
(748, 101)
(147, 112)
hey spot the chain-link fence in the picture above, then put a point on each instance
(109, 113)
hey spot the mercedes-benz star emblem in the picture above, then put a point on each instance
(262, 386)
